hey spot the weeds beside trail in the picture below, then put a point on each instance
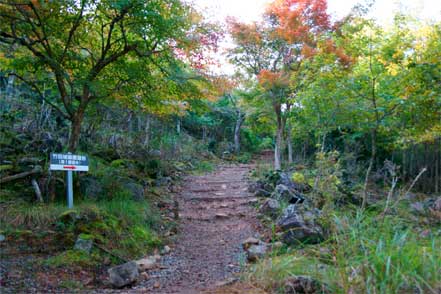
(362, 256)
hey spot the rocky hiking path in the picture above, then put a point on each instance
(216, 216)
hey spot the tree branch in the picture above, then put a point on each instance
(36, 89)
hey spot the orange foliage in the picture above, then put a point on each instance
(245, 33)
(300, 20)
(269, 79)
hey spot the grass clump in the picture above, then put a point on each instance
(202, 167)
(72, 258)
(25, 215)
(71, 285)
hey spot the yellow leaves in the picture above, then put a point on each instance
(393, 69)
(430, 135)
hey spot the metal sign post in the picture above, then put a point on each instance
(69, 162)
(69, 189)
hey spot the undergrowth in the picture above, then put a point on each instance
(122, 226)
(364, 255)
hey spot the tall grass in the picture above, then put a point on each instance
(364, 255)
(29, 215)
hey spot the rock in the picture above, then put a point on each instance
(2, 238)
(163, 181)
(291, 218)
(156, 285)
(256, 252)
(276, 245)
(249, 242)
(124, 274)
(299, 226)
(437, 204)
(91, 187)
(303, 235)
(418, 207)
(155, 153)
(253, 187)
(227, 282)
(147, 263)
(83, 244)
(69, 216)
(136, 191)
(290, 195)
(144, 276)
(261, 188)
(303, 285)
(221, 215)
(270, 207)
(285, 178)
(165, 250)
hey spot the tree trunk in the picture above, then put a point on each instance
(204, 133)
(178, 126)
(437, 168)
(239, 120)
(37, 190)
(289, 143)
(371, 164)
(278, 148)
(147, 131)
(75, 132)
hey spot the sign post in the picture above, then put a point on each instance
(69, 162)
(69, 189)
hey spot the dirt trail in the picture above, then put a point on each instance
(216, 216)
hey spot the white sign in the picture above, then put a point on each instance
(68, 162)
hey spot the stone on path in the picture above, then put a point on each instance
(249, 242)
(256, 252)
(124, 274)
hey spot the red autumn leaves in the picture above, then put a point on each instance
(303, 26)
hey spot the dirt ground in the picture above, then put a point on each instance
(216, 215)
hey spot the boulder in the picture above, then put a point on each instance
(135, 190)
(124, 274)
(285, 178)
(303, 285)
(270, 207)
(287, 194)
(303, 235)
(261, 188)
(255, 252)
(299, 226)
(82, 244)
